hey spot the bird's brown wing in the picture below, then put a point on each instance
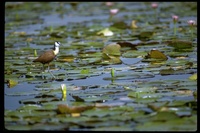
(46, 57)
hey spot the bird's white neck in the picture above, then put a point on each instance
(56, 51)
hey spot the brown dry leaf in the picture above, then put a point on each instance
(184, 92)
(66, 59)
(127, 44)
(29, 39)
(63, 109)
(22, 33)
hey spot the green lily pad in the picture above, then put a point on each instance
(145, 35)
(101, 112)
(120, 25)
(175, 124)
(172, 71)
(134, 54)
(156, 54)
(112, 49)
(180, 44)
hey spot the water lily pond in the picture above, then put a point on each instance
(122, 66)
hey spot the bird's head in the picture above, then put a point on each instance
(57, 44)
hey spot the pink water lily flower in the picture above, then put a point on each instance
(114, 11)
(191, 22)
(175, 18)
(154, 5)
(109, 3)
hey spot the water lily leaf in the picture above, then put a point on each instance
(158, 106)
(167, 71)
(29, 107)
(102, 112)
(163, 116)
(129, 75)
(144, 95)
(174, 124)
(112, 49)
(130, 61)
(120, 25)
(24, 93)
(112, 60)
(39, 100)
(105, 32)
(193, 77)
(66, 58)
(145, 35)
(98, 98)
(63, 109)
(171, 71)
(134, 54)
(90, 60)
(127, 44)
(180, 44)
(195, 94)
(156, 54)
(78, 99)
(18, 127)
(113, 128)
(85, 71)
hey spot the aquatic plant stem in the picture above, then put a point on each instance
(191, 29)
(155, 12)
(174, 28)
(112, 72)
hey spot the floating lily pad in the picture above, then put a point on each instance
(101, 112)
(134, 54)
(120, 25)
(112, 49)
(156, 54)
(126, 89)
(66, 109)
(175, 124)
(144, 35)
(180, 44)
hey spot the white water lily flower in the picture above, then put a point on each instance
(105, 32)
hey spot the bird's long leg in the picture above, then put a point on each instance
(42, 71)
(48, 66)
(50, 72)
(42, 67)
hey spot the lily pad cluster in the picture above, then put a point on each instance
(112, 74)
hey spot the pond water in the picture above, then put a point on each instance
(152, 67)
